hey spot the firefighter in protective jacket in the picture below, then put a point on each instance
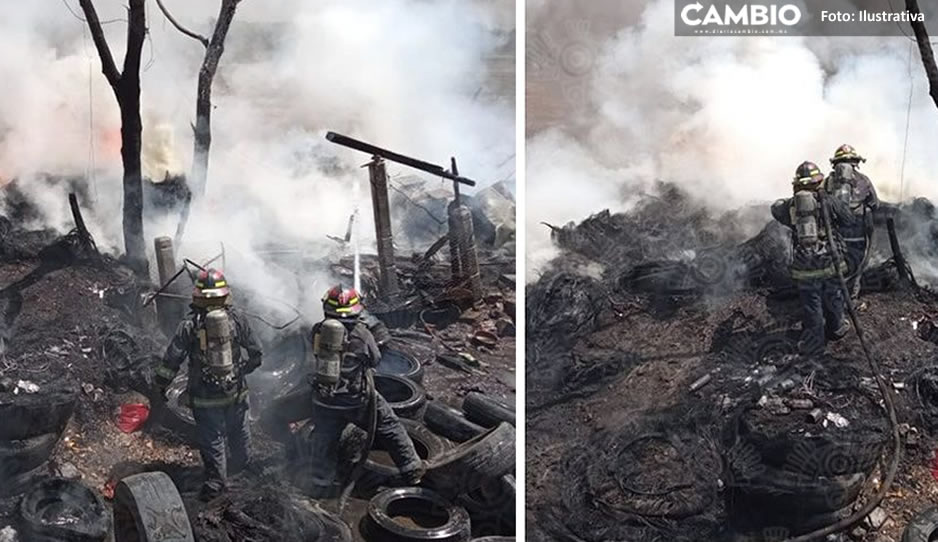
(854, 188)
(344, 348)
(813, 263)
(211, 338)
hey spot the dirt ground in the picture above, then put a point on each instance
(63, 321)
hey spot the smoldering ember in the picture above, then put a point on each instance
(667, 399)
(90, 449)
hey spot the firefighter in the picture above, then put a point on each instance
(211, 338)
(847, 183)
(340, 393)
(294, 406)
(812, 266)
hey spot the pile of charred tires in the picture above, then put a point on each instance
(800, 483)
(470, 456)
(30, 427)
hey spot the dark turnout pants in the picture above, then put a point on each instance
(822, 304)
(855, 252)
(329, 424)
(222, 430)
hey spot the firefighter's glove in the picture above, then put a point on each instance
(160, 386)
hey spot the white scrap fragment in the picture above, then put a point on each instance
(27, 386)
(837, 419)
(8, 534)
(914, 325)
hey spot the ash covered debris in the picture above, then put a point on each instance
(666, 398)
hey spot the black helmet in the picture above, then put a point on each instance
(808, 176)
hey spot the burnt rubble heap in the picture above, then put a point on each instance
(86, 448)
(665, 399)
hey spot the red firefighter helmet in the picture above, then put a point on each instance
(808, 176)
(846, 153)
(343, 303)
(210, 284)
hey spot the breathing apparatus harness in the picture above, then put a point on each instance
(893, 467)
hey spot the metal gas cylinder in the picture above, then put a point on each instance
(805, 219)
(217, 347)
(329, 345)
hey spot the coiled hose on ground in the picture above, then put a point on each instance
(893, 468)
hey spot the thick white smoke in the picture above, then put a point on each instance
(726, 118)
(410, 75)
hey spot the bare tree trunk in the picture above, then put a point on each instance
(202, 129)
(126, 87)
(924, 47)
(203, 104)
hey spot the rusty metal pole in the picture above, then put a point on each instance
(468, 254)
(168, 311)
(464, 241)
(455, 231)
(455, 241)
(388, 288)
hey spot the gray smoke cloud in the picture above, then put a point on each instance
(415, 76)
(616, 101)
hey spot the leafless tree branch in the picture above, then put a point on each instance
(924, 47)
(97, 34)
(198, 37)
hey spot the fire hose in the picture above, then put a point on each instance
(356, 471)
(893, 467)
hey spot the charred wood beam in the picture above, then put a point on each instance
(76, 216)
(924, 47)
(905, 272)
(373, 150)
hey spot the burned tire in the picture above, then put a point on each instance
(923, 527)
(469, 465)
(486, 410)
(20, 456)
(413, 514)
(407, 399)
(20, 483)
(63, 510)
(30, 415)
(380, 470)
(148, 508)
(788, 492)
(815, 455)
(448, 422)
(491, 507)
(397, 363)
